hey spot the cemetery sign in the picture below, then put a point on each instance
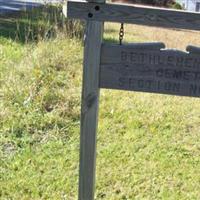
(150, 68)
(145, 67)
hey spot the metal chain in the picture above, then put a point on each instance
(121, 34)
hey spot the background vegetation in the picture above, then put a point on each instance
(39, 24)
(160, 3)
(148, 145)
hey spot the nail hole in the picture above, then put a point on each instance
(97, 8)
(90, 15)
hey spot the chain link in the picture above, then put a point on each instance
(121, 34)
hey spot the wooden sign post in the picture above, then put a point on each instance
(89, 108)
(145, 67)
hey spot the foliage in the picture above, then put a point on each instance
(165, 3)
(177, 6)
(156, 2)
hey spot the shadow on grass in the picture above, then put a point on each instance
(111, 40)
(38, 23)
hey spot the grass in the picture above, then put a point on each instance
(148, 145)
(38, 24)
(39, 113)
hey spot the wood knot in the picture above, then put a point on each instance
(152, 17)
(90, 100)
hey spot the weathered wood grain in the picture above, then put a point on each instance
(133, 14)
(146, 68)
(89, 109)
(193, 49)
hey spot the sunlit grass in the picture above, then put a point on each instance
(148, 145)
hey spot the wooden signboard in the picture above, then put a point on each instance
(147, 67)
(150, 68)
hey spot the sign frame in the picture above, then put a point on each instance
(95, 12)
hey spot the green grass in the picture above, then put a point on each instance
(148, 145)
(40, 105)
(38, 24)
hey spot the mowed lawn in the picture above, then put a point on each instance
(148, 145)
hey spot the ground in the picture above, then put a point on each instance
(148, 145)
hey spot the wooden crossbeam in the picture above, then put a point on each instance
(133, 14)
